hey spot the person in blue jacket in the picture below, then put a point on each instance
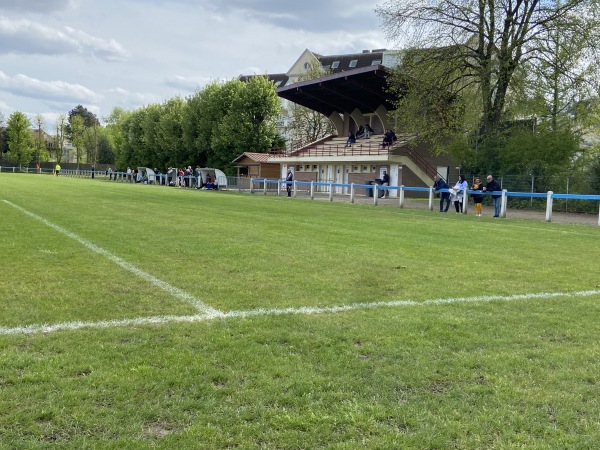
(438, 184)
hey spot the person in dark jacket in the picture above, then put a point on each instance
(477, 198)
(494, 187)
(289, 180)
(438, 184)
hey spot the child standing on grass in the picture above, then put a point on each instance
(477, 198)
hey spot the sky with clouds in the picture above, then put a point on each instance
(56, 54)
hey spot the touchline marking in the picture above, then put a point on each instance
(174, 291)
(304, 310)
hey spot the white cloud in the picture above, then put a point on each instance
(188, 84)
(61, 91)
(23, 36)
(37, 6)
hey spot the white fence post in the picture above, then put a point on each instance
(295, 188)
(549, 206)
(352, 193)
(278, 189)
(465, 202)
(265, 186)
(430, 199)
(312, 190)
(401, 197)
(330, 192)
(375, 193)
(503, 204)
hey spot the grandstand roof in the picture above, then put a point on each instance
(362, 88)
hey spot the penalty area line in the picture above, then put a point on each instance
(174, 291)
(304, 310)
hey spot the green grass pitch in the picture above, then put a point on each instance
(144, 317)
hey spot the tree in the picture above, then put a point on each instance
(87, 135)
(3, 137)
(114, 128)
(78, 137)
(306, 125)
(248, 125)
(59, 138)
(41, 153)
(475, 50)
(20, 139)
(106, 154)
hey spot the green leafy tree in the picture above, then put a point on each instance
(78, 130)
(59, 138)
(170, 149)
(21, 145)
(249, 125)
(303, 124)
(3, 137)
(106, 154)
(41, 152)
(465, 51)
(114, 128)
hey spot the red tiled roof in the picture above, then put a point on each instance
(258, 157)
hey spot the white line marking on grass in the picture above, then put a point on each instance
(305, 310)
(175, 292)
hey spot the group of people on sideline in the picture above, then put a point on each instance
(456, 194)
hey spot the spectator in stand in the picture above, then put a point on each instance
(129, 177)
(457, 193)
(388, 139)
(438, 184)
(351, 139)
(494, 187)
(477, 198)
(360, 134)
(180, 179)
(368, 131)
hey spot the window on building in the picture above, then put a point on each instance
(335, 64)
(307, 168)
(315, 168)
(299, 167)
(353, 63)
(376, 62)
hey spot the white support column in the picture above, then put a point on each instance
(375, 193)
(265, 186)
(549, 201)
(430, 199)
(401, 201)
(465, 202)
(312, 190)
(503, 204)
(295, 188)
(278, 189)
(352, 193)
(330, 192)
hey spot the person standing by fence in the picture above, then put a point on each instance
(288, 182)
(57, 169)
(493, 186)
(438, 184)
(477, 198)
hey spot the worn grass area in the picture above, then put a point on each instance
(517, 374)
